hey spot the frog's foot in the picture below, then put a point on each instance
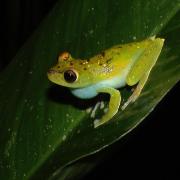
(132, 98)
(137, 91)
(88, 110)
(96, 123)
(93, 113)
(104, 119)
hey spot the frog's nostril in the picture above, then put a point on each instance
(52, 71)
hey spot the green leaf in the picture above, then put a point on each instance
(43, 127)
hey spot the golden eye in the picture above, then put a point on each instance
(70, 76)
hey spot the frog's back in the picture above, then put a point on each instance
(115, 61)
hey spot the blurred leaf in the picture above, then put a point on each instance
(43, 127)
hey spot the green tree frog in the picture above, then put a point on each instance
(120, 65)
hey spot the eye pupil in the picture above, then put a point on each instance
(70, 76)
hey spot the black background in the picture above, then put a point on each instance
(151, 151)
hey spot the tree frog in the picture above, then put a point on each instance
(106, 72)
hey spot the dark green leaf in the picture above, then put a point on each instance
(43, 127)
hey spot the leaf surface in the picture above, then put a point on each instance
(43, 127)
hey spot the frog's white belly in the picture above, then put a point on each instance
(91, 91)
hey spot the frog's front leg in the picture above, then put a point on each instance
(115, 99)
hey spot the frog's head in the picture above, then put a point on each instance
(70, 72)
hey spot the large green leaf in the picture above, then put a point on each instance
(43, 127)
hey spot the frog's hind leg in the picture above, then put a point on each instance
(141, 69)
(137, 91)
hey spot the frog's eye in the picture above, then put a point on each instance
(70, 75)
(64, 56)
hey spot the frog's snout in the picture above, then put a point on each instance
(52, 74)
(52, 71)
